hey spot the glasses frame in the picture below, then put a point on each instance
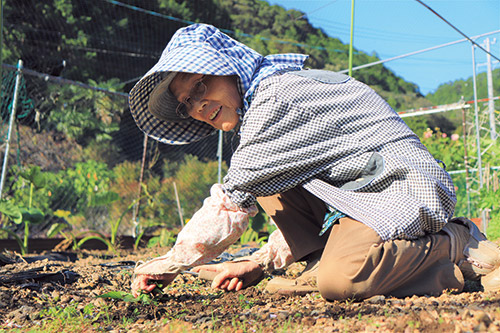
(196, 94)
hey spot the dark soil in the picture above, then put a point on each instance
(33, 289)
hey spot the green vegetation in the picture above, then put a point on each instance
(452, 92)
(28, 214)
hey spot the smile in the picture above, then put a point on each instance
(215, 113)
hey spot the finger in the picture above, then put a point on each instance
(145, 285)
(239, 286)
(232, 284)
(219, 279)
(225, 284)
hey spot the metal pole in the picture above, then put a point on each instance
(466, 162)
(352, 34)
(135, 212)
(11, 124)
(219, 155)
(491, 104)
(476, 119)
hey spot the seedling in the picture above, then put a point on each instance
(143, 298)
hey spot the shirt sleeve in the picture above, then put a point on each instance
(275, 254)
(218, 224)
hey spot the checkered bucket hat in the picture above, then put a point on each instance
(202, 49)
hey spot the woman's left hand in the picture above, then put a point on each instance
(233, 275)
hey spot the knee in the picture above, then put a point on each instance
(335, 282)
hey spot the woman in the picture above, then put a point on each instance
(348, 184)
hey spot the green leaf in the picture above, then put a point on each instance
(35, 176)
(55, 229)
(62, 213)
(103, 199)
(121, 295)
(114, 295)
(33, 215)
(12, 211)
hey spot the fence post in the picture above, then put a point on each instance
(11, 124)
(219, 158)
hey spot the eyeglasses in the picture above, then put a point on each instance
(196, 94)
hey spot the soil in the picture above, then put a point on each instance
(33, 285)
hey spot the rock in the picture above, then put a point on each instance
(377, 299)
(21, 314)
(308, 321)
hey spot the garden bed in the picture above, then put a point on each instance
(61, 292)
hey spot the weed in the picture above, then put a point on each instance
(146, 299)
(244, 302)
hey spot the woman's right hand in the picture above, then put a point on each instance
(145, 282)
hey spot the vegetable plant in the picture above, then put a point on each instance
(25, 215)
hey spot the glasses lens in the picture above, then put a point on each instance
(182, 111)
(198, 91)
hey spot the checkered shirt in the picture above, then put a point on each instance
(302, 131)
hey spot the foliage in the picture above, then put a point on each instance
(80, 189)
(143, 298)
(82, 114)
(166, 238)
(25, 215)
(452, 92)
(473, 199)
(59, 318)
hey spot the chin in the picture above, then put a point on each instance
(228, 127)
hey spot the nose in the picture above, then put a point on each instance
(198, 106)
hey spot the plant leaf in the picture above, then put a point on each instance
(35, 176)
(55, 229)
(12, 211)
(62, 213)
(33, 215)
(121, 295)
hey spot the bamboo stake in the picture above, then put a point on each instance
(179, 208)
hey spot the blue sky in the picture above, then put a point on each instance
(395, 27)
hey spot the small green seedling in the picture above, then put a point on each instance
(143, 298)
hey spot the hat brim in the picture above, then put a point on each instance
(181, 131)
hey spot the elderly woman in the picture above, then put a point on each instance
(351, 188)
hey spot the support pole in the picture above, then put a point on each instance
(491, 104)
(135, 213)
(179, 208)
(11, 124)
(476, 119)
(352, 34)
(466, 162)
(219, 155)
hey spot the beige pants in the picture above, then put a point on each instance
(355, 262)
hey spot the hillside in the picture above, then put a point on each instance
(451, 92)
(104, 40)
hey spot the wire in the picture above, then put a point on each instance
(227, 31)
(416, 52)
(456, 29)
(313, 11)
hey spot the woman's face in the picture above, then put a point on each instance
(217, 107)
